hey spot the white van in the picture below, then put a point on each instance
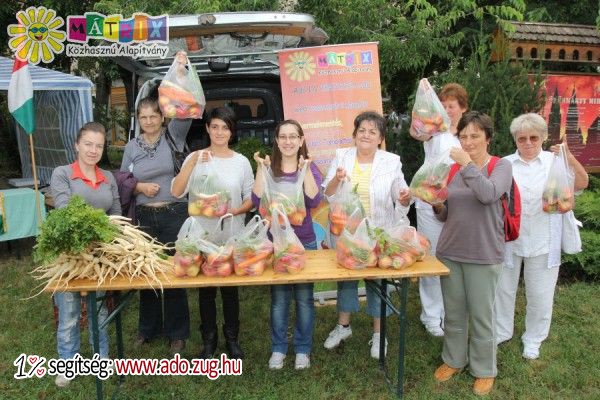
(235, 55)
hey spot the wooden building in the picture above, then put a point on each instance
(549, 42)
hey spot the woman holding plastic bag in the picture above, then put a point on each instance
(538, 247)
(205, 173)
(291, 163)
(381, 189)
(150, 158)
(471, 245)
(454, 100)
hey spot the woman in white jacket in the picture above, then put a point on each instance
(382, 189)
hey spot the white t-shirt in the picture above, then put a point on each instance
(235, 173)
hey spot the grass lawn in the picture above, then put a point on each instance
(567, 369)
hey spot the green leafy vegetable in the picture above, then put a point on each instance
(71, 230)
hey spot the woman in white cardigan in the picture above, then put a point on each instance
(538, 246)
(383, 193)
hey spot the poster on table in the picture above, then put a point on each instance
(572, 110)
(325, 88)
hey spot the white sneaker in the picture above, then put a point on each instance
(276, 360)
(531, 353)
(336, 336)
(374, 342)
(302, 361)
(435, 330)
(62, 381)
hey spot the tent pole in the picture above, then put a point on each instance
(35, 181)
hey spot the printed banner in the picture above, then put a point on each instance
(324, 88)
(573, 109)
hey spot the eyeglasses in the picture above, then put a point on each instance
(291, 138)
(41, 30)
(532, 139)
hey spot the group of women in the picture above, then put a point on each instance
(478, 296)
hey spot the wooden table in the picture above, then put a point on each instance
(321, 266)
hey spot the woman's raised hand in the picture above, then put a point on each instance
(304, 161)
(260, 162)
(460, 156)
(340, 174)
(200, 156)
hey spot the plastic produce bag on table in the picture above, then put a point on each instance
(187, 258)
(428, 114)
(558, 196)
(252, 249)
(207, 196)
(289, 251)
(342, 206)
(217, 249)
(285, 193)
(356, 250)
(180, 94)
(430, 181)
(418, 245)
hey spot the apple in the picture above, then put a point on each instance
(163, 100)
(179, 271)
(181, 113)
(169, 111)
(224, 269)
(193, 209)
(193, 270)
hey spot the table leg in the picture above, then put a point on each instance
(119, 328)
(383, 319)
(93, 308)
(401, 346)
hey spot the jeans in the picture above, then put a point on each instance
(163, 223)
(68, 335)
(281, 296)
(347, 296)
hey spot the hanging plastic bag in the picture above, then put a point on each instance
(289, 251)
(180, 93)
(570, 239)
(558, 195)
(187, 258)
(285, 193)
(207, 196)
(343, 204)
(430, 181)
(356, 250)
(252, 249)
(217, 250)
(428, 114)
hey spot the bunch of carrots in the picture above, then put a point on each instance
(251, 258)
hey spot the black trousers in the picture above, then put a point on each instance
(208, 308)
(173, 321)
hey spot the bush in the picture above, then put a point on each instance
(587, 210)
(248, 147)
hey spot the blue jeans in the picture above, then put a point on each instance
(68, 335)
(347, 299)
(347, 295)
(281, 296)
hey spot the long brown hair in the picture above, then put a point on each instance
(276, 153)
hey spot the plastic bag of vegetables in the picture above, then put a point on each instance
(289, 251)
(252, 249)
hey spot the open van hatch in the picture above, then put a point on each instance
(240, 42)
(235, 55)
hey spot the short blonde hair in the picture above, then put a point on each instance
(529, 122)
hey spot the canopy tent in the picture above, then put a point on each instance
(62, 103)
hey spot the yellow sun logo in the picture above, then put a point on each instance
(36, 37)
(300, 66)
